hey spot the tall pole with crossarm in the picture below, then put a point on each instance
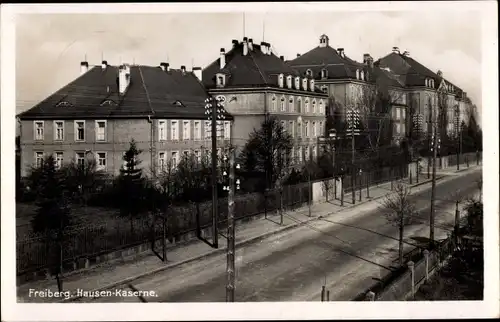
(353, 130)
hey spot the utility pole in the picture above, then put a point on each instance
(353, 122)
(458, 136)
(434, 150)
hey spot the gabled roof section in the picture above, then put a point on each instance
(151, 92)
(319, 58)
(256, 69)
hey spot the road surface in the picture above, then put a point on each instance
(346, 252)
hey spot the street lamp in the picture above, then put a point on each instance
(353, 130)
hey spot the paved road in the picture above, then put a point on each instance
(346, 252)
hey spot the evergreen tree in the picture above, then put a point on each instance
(131, 185)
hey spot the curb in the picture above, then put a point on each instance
(242, 243)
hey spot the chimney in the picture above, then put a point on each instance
(368, 60)
(263, 47)
(163, 66)
(123, 78)
(282, 58)
(250, 44)
(197, 72)
(341, 52)
(222, 58)
(104, 64)
(183, 69)
(245, 46)
(235, 42)
(440, 73)
(269, 51)
(298, 55)
(84, 67)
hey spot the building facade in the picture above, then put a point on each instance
(256, 84)
(99, 113)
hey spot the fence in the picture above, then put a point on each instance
(118, 233)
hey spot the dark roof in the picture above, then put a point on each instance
(256, 69)
(320, 58)
(151, 91)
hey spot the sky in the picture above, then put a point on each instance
(50, 47)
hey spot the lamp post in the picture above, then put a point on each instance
(332, 135)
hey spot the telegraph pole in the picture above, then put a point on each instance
(353, 121)
(435, 147)
(230, 228)
(458, 136)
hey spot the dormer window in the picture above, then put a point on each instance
(221, 80)
(324, 89)
(357, 73)
(297, 82)
(177, 103)
(309, 73)
(108, 103)
(311, 83)
(324, 73)
(280, 80)
(362, 75)
(304, 84)
(63, 104)
(289, 81)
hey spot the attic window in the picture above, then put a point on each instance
(108, 102)
(280, 80)
(324, 88)
(362, 77)
(64, 104)
(221, 80)
(357, 73)
(324, 73)
(177, 103)
(309, 72)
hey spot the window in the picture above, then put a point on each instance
(362, 75)
(280, 80)
(162, 130)
(398, 128)
(80, 159)
(324, 89)
(197, 130)
(307, 106)
(306, 129)
(59, 160)
(321, 107)
(357, 73)
(299, 154)
(197, 154)
(292, 156)
(208, 130)
(313, 152)
(39, 131)
(227, 129)
(186, 130)
(306, 153)
(101, 161)
(315, 134)
(290, 104)
(59, 130)
(162, 161)
(221, 80)
(321, 128)
(314, 106)
(282, 104)
(297, 82)
(79, 130)
(38, 159)
(324, 73)
(291, 128)
(273, 103)
(100, 133)
(403, 114)
(283, 126)
(403, 128)
(289, 81)
(309, 72)
(398, 114)
(299, 105)
(174, 127)
(174, 158)
(299, 130)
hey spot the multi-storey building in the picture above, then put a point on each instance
(423, 86)
(350, 83)
(257, 84)
(101, 111)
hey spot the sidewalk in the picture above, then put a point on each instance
(110, 275)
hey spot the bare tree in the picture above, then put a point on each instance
(401, 211)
